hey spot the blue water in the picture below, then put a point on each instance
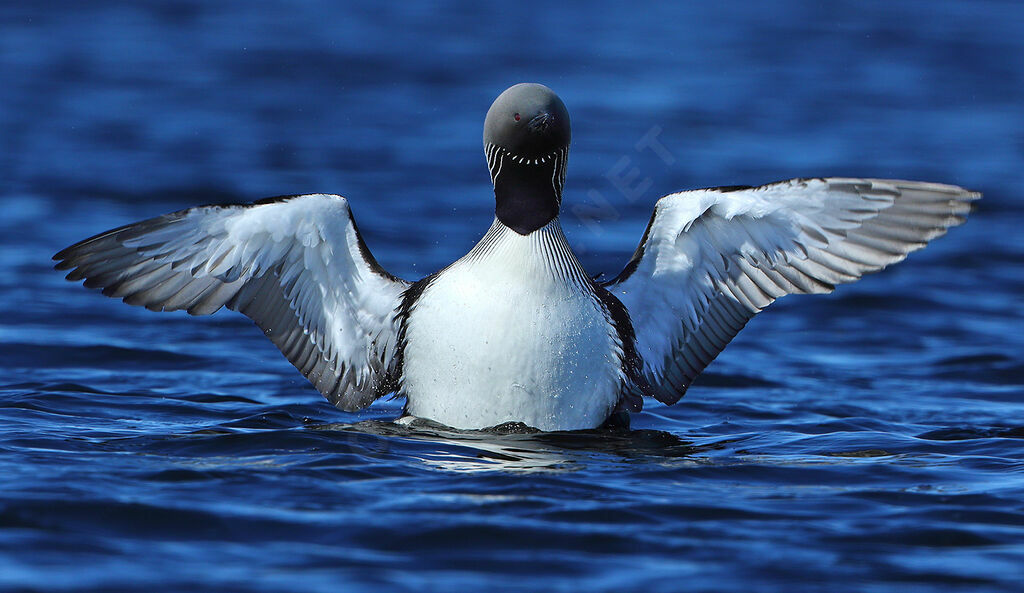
(871, 440)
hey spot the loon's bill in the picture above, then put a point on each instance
(516, 330)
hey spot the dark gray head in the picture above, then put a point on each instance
(526, 140)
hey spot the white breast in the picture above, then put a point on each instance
(511, 333)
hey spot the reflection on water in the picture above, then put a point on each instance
(517, 448)
(865, 441)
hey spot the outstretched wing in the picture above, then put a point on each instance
(711, 259)
(295, 265)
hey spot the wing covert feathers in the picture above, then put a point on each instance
(711, 259)
(296, 266)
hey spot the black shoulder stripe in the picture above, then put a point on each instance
(636, 385)
(409, 299)
(638, 255)
(367, 256)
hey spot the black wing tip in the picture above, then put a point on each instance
(68, 258)
(64, 256)
(672, 397)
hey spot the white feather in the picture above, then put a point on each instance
(713, 259)
(512, 333)
(294, 266)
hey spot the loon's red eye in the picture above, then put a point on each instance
(516, 116)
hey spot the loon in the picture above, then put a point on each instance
(516, 331)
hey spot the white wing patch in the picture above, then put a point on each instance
(296, 266)
(711, 259)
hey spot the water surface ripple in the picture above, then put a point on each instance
(870, 440)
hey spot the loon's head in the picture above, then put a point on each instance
(526, 140)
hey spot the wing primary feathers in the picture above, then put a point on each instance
(296, 265)
(737, 249)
